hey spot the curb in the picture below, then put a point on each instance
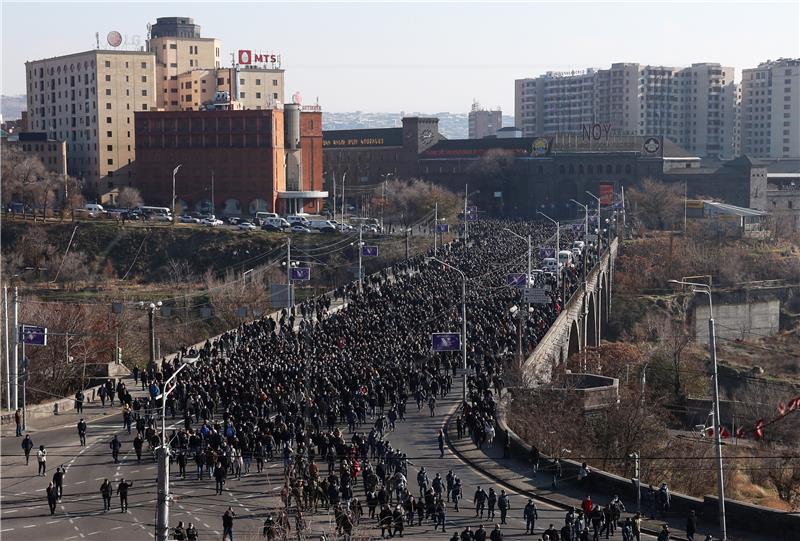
(502, 482)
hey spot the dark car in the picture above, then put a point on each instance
(270, 227)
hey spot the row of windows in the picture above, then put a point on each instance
(205, 141)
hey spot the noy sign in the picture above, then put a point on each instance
(247, 57)
(596, 131)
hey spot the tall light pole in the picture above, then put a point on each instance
(360, 248)
(344, 204)
(585, 287)
(463, 321)
(436, 226)
(599, 246)
(162, 510)
(174, 172)
(712, 352)
(151, 315)
(558, 247)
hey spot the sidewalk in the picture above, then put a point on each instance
(517, 474)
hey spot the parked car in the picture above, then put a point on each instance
(297, 220)
(246, 226)
(328, 229)
(234, 220)
(161, 218)
(298, 228)
(211, 221)
(187, 219)
(344, 228)
(271, 227)
(279, 223)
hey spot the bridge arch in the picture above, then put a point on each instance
(574, 340)
(591, 321)
(606, 300)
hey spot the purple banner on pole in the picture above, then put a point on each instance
(546, 252)
(442, 228)
(446, 341)
(33, 335)
(369, 251)
(300, 273)
(516, 279)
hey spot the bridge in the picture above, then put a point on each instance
(580, 323)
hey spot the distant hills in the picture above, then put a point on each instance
(452, 125)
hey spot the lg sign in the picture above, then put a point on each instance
(247, 56)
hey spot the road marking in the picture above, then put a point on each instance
(80, 482)
(12, 529)
(116, 528)
(93, 533)
(53, 521)
(15, 510)
(29, 526)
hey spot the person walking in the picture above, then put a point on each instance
(41, 458)
(191, 532)
(503, 504)
(138, 442)
(115, 446)
(82, 432)
(122, 492)
(227, 524)
(691, 525)
(106, 491)
(27, 446)
(18, 422)
(79, 402)
(441, 443)
(52, 498)
(497, 534)
(58, 481)
(179, 534)
(530, 515)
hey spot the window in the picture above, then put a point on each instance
(144, 92)
(108, 91)
(108, 105)
(108, 134)
(109, 147)
(275, 95)
(173, 65)
(241, 95)
(220, 81)
(274, 82)
(108, 78)
(258, 82)
(108, 120)
(241, 81)
(110, 161)
(108, 63)
(258, 95)
(144, 108)
(173, 45)
(144, 78)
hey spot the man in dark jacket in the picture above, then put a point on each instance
(530, 515)
(497, 534)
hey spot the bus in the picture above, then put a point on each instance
(154, 211)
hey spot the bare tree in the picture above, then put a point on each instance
(129, 198)
(656, 204)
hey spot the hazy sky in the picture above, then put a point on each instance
(423, 56)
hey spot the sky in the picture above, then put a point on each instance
(422, 56)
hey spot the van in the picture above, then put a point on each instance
(277, 221)
(93, 207)
(265, 215)
(579, 244)
(297, 220)
(549, 264)
(565, 257)
(321, 224)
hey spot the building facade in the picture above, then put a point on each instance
(770, 110)
(179, 48)
(257, 88)
(694, 106)
(484, 123)
(233, 162)
(52, 152)
(89, 99)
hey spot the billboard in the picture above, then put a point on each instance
(369, 251)
(300, 273)
(442, 228)
(516, 279)
(32, 335)
(606, 193)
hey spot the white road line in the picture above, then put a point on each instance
(15, 510)
(116, 528)
(79, 482)
(53, 521)
(29, 526)
(12, 529)
(93, 533)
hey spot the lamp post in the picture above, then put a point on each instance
(151, 314)
(174, 172)
(636, 481)
(558, 247)
(599, 246)
(463, 320)
(712, 352)
(162, 510)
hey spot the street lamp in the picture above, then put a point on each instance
(463, 320)
(598, 220)
(712, 352)
(558, 247)
(174, 172)
(162, 511)
(151, 314)
(636, 481)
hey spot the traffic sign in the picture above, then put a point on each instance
(33, 335)
(535, 295)
(516, 279)
(369, 251)
(300, 273)
(446, 341)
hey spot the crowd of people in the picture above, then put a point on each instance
(322, 391)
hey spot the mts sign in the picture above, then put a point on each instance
(246, 56)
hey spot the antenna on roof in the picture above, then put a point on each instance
(97, 38)
(149, 27)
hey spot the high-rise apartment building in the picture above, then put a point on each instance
(770, 110)
(179, 48)
(484, 123)
(88, 99)
(693, 106)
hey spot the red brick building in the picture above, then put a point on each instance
(237, 158)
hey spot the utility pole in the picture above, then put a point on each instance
(13, 376)
(637, 481)
(360, 246)
(288, 276)
(213, 208)
(344, 204)
(174, 172)
(466, 196)
(407, 232)
(151, 316)
(436, 226)
(334, 195)
(383, 199)
(6, 350)
(712, 350)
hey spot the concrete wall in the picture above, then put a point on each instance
(739, 321)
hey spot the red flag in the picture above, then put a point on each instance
(759, 430)
(793, 404)
(740, 432)
(781, 409)
(723, 433)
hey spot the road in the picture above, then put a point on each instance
(80, 516)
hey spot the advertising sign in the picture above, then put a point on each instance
(516, 279)
(606, 193)
(442, 228)
(446, 341)
(369, 251)
(547, 252)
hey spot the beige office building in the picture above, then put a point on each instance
(770, 110)
(179, 48)
(484, 123)
(258, 88)
(88, 99)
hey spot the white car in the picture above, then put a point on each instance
(246, 226)
(297, 228)
(344, 228)
(161, 218)
(186, 219)
(211, 221)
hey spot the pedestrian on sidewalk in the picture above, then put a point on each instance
(18, 422)
(82, 432)
(115, 446)
(102, 392)
(504, 505)
(191, 532)
(122, 491)
(533, 458)
(497, 534)
(441, 443)
(663, 535)
(58, 481)
(52, 498)
(691, 525)
(179, 534)
(27, 445)
(106, 491)
(79, 401)
(530, 515)
(227, 524)
(41, 458)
